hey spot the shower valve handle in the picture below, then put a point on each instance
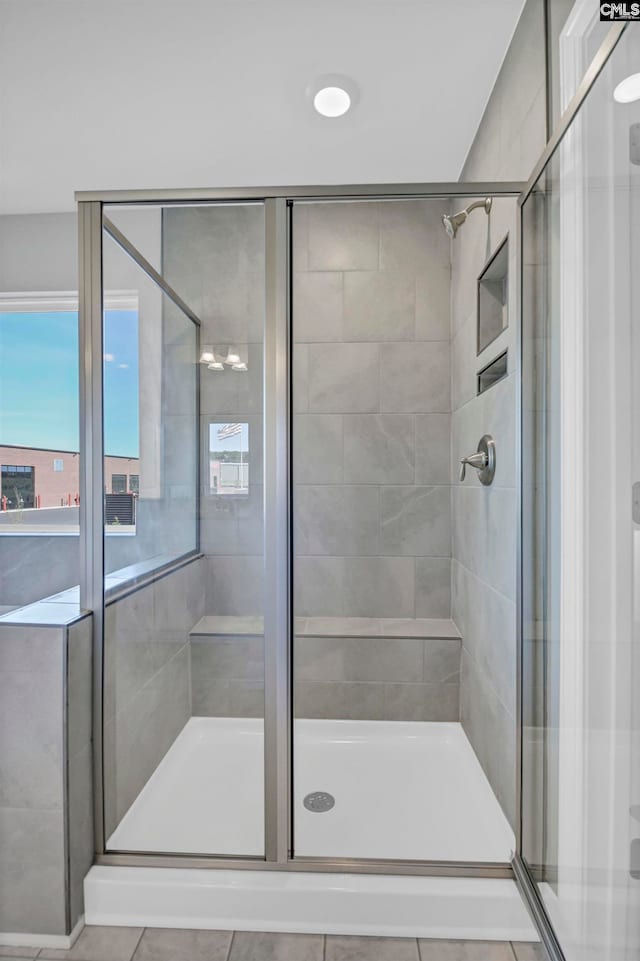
(484, 460)
(479, 461)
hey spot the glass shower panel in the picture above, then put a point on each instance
(183, 645)
(376, 653)
(581, 465)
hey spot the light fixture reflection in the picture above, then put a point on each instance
(239, 366)
(232, 357)
(216, 365)
(207, 356)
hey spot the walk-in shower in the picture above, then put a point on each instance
(305, 641)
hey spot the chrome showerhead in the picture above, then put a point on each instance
(452, 222)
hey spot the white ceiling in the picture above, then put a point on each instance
(176, 93)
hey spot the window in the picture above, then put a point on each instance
(118, 483)
(228, 459)
(17, 487)
(39, 402)
(134, 483)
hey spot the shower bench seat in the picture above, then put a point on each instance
(352, 668)
(253, 626)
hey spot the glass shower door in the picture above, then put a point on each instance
(581, 468)
(183, 687)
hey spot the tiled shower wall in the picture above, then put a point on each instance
(214, 257)
(372, 497)
(511, 136)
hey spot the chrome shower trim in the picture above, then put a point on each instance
(452, 869)
(279, 840)
(329, 193)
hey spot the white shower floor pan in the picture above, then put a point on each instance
(403, 790)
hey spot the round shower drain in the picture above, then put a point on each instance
(319, 801)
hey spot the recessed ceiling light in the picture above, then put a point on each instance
(628, 89)
(332, 101)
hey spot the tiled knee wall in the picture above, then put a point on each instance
(356, 678)
(147, 684)
(46, 808)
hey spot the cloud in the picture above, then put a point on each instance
(108, 358)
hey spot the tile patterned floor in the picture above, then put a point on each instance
(166, 944)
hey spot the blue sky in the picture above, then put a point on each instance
(39, 380)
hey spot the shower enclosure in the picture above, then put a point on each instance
(305, 648)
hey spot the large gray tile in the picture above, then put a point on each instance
(442, 660)
(338, 700)
(234, 585)
(379, 587)
(358, 659)
(435, 950)
(317, 307)
(254, 946)
(370, 949)
(379, 306)
(31, 739)
(32, 896)
(317, 586)
(99, 944)
(411, 234)
(241, 658)
(80, 820)
(136, 740)
(415, 377)
(171, 944)
(421, 702)
(488, 621)
(433, 296)
(343, 378)
(343, 236)
(30, 648)
(317, 449)
(433, 441)
(415, 521)
(227, 697)
(491, 730)
(379, 449)
(433, 587)
(336, 520)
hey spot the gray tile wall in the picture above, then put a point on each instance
(147, 687)
(357, 678)
(45, 776)
(214, 257)
(509, 140)
(371, 401)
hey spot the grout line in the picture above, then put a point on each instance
(137, 944)
(324, 947)
(231, 940)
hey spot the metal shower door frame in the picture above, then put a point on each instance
(279, 853)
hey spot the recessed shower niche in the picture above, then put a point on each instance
(493, 286)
